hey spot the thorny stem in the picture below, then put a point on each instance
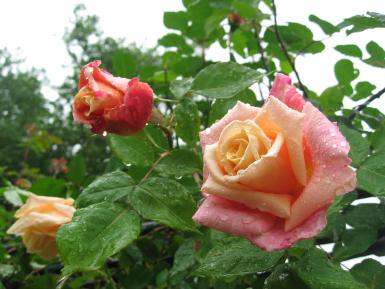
(260, 49)
(358, 108)
(162, 155)
(62, 281)
(285, 52)
(165, 99)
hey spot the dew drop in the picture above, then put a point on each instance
(247, 220)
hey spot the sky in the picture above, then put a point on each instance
(33, 30)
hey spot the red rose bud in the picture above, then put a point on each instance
(111, 104)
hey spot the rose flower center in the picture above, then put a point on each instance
(240, 144)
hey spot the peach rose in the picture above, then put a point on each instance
(38, 221)
(111, 104)
(270, 173)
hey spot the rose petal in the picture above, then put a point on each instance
(275, 117)
(277, 238)
(35, 201)
(233, 218)
(276, 204)
(331, 175)
(43, 245)
(272, 173)
(241, 111)
(287, 93)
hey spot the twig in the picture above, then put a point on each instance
(162, 155)
(62, 281)
(260, 49)
(285, 52)
(362, 106)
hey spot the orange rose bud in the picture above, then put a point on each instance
(38, 222)
(112, 104)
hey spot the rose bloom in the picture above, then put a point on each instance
(111, 104)
(38, 222)
(270, 173)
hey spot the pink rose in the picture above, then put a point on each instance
(38, 221)
(111, 104)
(270, 173)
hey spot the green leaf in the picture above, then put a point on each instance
(360, 23)
(6, 271)
(335, 220)
(180, 87)
(172, 40)
(221, 106)
(331, 99)
(176, 20)
(377, 139)
(350, 50)
(236, 257)
(371, 273)
(184, 257)
(370, 216)
(47, 186)
(359, 146)
(132, 150)
(239, 42)
(187, 121)
(326, 26)
(345, 71)
(124, 63)
(94, 234)
(165, 201)
(224, 80)
(109, 187)
(214, 20)
(179, 162)
(377, 55)
(353, 242)
(283, 277)
(316, 271)
(363, 90)
(371, 174)
(13, 195)
(77, 170)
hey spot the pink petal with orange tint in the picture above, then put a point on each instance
(331, 175)
(275, 117)
(233, 218)
(286, 92)
(277, 238)
(241, 111)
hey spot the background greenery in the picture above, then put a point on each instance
(138, 193)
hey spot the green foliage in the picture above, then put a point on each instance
(371, 273)
(132, 150)
(94, 234)
(109, 187)
(234, 257)
(165, 201)
(187, 121)
(371, 175)
(224, 80)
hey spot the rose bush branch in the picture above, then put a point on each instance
(356, 110)
(284, 50)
